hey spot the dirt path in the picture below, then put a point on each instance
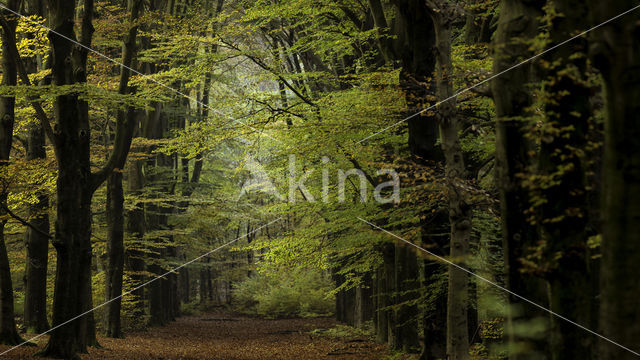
(217, 336)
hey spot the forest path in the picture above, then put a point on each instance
(228, 337)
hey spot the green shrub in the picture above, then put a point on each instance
(192, 308)
(280, 301)
(285, 294)
(347, 332)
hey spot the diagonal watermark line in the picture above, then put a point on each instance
(500, 287)
(501, 73)
(140, 286)
(145, 76)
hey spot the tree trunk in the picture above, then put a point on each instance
(75, 186)
(115, 193)
(512, 97)
(562, 164)
(616, 53)
(136, 227)
(37, 245)
(433, 322)
(459, 210)
(35, 278)
(390, 290)
(8, 332)
(382, 301)
(364, 301)
(203, 286)
(157, 300)
(115, 254)
(407, 284)
(186, 285)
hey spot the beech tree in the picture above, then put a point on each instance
(115, 194)
(513, 100)
(76, 183)
(36, 241)
(449, 123)
(243, 101)
(561, 183)
(8, 331)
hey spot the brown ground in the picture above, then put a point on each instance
(217, 336)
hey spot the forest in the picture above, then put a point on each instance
(320, 179)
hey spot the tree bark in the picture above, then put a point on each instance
(390, 288)
(115, 254)
(115, 193)
(136, 227)
(433, 322)
(616, 53)
(512, 97)
(37, 245)
(562, 164)
(35, 279)
(407, 284)
(410, 49)
(459, 211)
(382, 301)
(74, 185)
(8, 333)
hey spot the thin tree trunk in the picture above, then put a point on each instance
(382, 300)
(407, 284)
(136, 227)
(435, 338)
(390, 289)
(115, 254)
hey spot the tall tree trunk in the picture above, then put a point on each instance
(136, 227)
(390, 289)
(35, 283)
(616, 52)
(407, 284)
(8, 332)
(411, 50)
(75, 186)
(433, 322)
(459, 210)
(185, 284)
(37, 245)
(562, 164)
(382, 301)
(115, 254)
(364, 301)
(115, 193)
(512, 96)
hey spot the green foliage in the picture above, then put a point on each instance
(285, 294)
(346, 332)
(192, 308)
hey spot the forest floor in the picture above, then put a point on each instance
(228, 337)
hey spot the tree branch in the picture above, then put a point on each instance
(23, 221)
(22, 73)
(126, 121)
(267, 68)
